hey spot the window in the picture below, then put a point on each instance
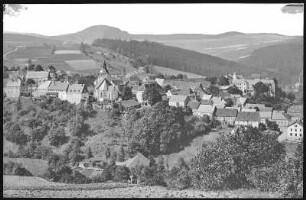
(290, 134)
(300, 130)
(300, 135)
(295, 130)
(295, 134)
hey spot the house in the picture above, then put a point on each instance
(206, 97)
(246, 85)
(218, 102)
(226, 116)
(38, 76)
(128, 104)
(193, 105)
(295, 132)
(296, 112)
(76, 93)
(13, 88)
(205, 110)
(178, 100)
(60, 88)
(251, 105)
(265, 115)
(281, 118)
(248, 110)
(206, 102)
(247, 119)
(42, 89)
(105, 88)
(160, 81)
(171, 92)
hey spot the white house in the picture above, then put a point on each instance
(205, 110)
(248, 119)
(76, 93)
(60, 88)
(178, 100)
(295, 132)
(42, 89)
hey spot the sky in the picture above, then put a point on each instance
(57, 19)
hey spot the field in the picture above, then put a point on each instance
(168, 71)
(33, 187)
(82, 64)
(67, 52)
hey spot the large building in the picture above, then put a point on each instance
(248, 119)
(295, 132)
(178, 101)
(105, 88)
(13, 88)
(246, 85)
(226, 116)
(59, 88)
(296, 112)
(76, 93)
(282, 119)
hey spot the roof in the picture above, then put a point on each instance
(206, 97)
(193, 104)
(253, 105)
(217, 100)
(129, 103)
(248, 116)
(241, 100)
(225, 87)
(265, 109)
(58, 85)
(13, 83)
(296, 114)
(178, 98)
(44, 85)
(139, 159)
(160, 81)
(295, 109)
(206, 102)
(37, 75)
(299, 123)
(183, 92)
(222, 112)
(279, 115)
(206, 108)
(76, 88)
(265, 114)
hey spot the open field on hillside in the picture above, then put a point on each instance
(82, 64)
(168, 71)
(193, 149)
(67, 52)
(32, 187)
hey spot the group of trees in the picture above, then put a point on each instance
(171, 57)
(222, 80)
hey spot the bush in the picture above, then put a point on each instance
(178, 178)
(13, 168)
(122, 174)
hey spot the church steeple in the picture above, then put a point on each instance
(104, 68)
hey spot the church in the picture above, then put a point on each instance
(105, 88)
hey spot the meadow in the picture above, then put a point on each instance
(82, 64)
(168, 71)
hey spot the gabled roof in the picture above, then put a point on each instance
(265, 109)
(193, 104)
(216, 100)
(225, 87)
(299, 123)
(206, 102)
(183, 92)
(178, 98)
(279, 115)
(222, 112)
(206, 108)
(13, 83)
(76, 88)
(160, 81)
(58, 85)
(265, 114)
(253, 105)
(44, 85)
(206, 97)
(139, 159)
(295, 109)
(37, 75)
(248, 116)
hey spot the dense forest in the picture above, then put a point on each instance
(173, 57)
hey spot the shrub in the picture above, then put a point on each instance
(13, 168)
(122, 174)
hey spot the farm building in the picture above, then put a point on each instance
(178, 100)
(13, 88)
(76, 93)
(60, 88)
(39, 77)
(265, 115)
(205, 110)
(296, 112)
(295, 132)
(248, 119)
(218, 102)
(282, 119)
(42, 89)
(226, 116)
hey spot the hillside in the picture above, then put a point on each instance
(284, 60)
(173, 57)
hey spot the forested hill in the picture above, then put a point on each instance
(173, 57)
(284, 60)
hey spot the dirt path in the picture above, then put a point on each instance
(4, 55)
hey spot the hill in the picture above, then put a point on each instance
(173, 57)
(284, 60)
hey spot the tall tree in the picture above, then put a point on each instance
(152, 96)
(38, 68)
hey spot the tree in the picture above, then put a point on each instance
(212, 80)
(30, 82)
(226, 162)
(107, 153)
(89, 153)
(167, 87)
(229, 102)
(223, 80)
(38, 68)
(234, 90)
(152, 96)
(179, 76)
(271, 125)
(18, 105)
(122, 174)
(14, 133)
(57, 136)
(260, 89)
(126, 93)
(30, 65)
(291, 96)
(121, 154)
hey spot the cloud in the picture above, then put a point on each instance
(293, 8)
(12, 9)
